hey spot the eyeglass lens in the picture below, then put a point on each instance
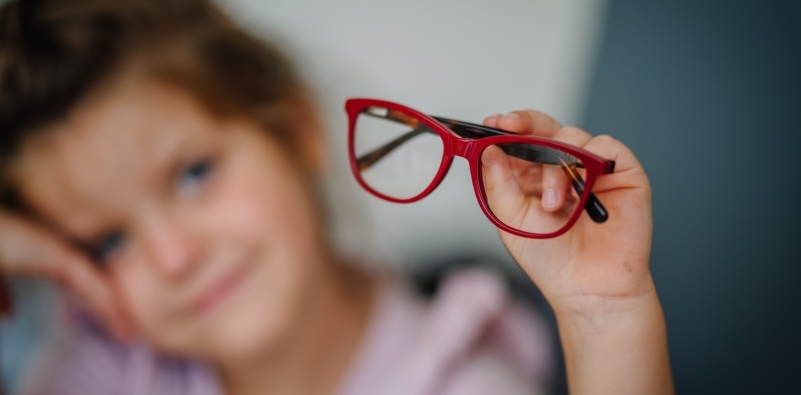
(396, 154)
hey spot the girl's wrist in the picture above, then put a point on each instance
(604, 336)
(620, 299)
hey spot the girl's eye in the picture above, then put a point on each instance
(193, 176)
(106, 246)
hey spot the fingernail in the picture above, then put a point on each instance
(512, 115)
(549, 198)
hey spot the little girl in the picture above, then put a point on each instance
(161, 164)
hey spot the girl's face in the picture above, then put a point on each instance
(204, 225)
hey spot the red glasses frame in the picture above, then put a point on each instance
(470, 148)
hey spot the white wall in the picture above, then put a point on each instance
(460, 59)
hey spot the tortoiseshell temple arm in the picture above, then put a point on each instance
(367, 160)
(527, 152)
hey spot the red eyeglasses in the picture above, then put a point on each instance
(401, 155)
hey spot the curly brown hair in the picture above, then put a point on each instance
(54, 52)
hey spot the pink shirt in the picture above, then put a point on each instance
(470, 339)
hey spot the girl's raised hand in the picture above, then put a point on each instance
(26, 250)
(596, 275)
(603, 260)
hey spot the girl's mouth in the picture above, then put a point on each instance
(219, 291)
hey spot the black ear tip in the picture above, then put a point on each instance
(599, 216)
(596, 210)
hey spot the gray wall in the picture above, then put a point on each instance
(708, 95)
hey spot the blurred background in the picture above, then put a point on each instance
(706, 93)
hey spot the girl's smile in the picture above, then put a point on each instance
(221, 288)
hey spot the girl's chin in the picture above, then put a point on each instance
(238, 330)
(245, 334)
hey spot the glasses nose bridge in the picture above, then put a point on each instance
(460, 147)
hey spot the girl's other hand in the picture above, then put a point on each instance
(29, 251)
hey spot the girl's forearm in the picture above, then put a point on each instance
(616, 346)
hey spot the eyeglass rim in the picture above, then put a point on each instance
(471, 149)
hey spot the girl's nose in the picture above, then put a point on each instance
(171, 247)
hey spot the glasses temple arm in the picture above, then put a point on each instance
(369, 159)
(593, 206)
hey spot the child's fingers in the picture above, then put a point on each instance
(27, 251)
(609, 148)
(83, 280)
(492, 120)
(523, 122)
(554, 188)
(528, 122)
(555, 180)
(628, 170)
(501, 185)
(555, 183)
(572, 135)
